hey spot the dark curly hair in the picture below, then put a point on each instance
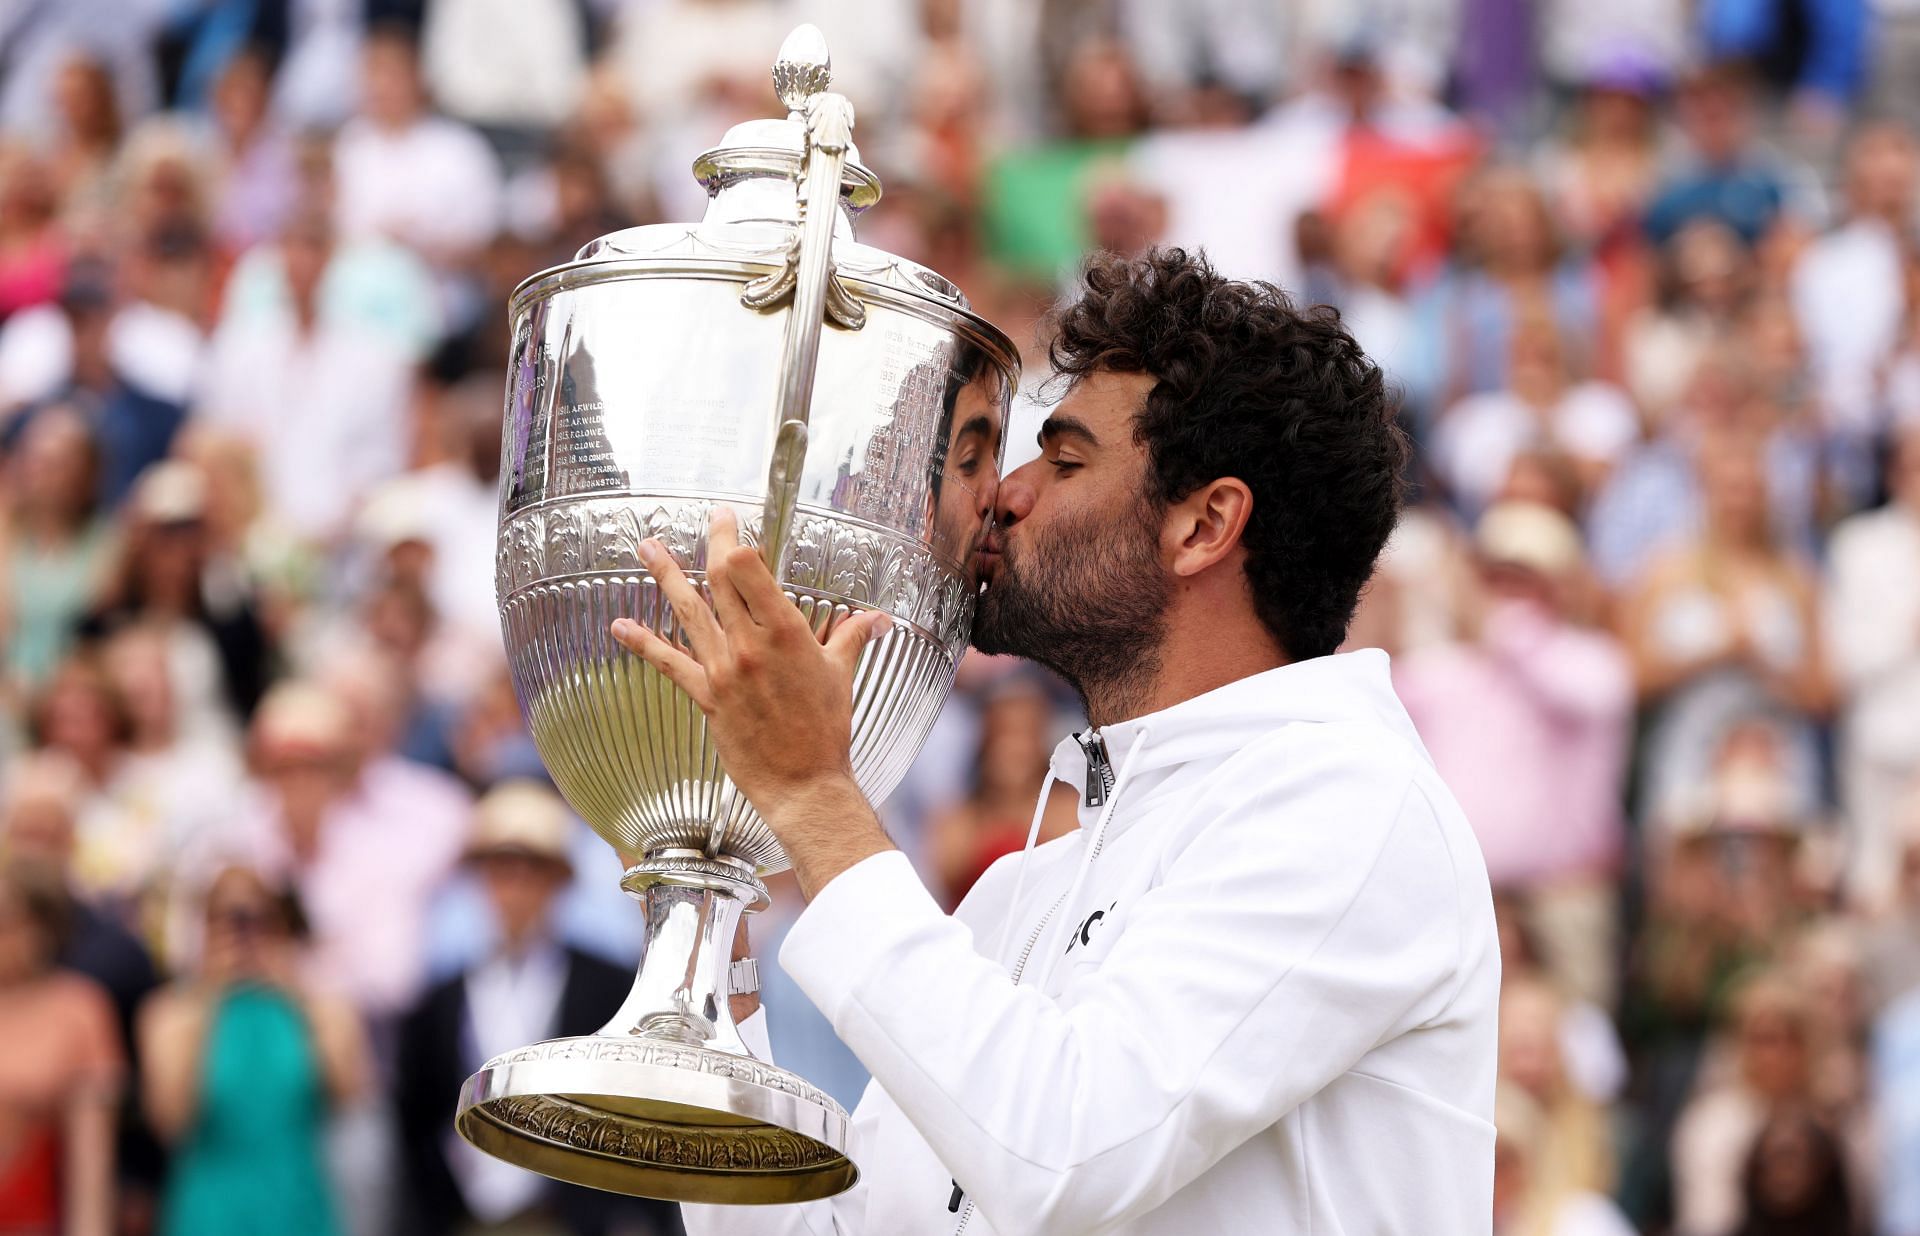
(1249, 386)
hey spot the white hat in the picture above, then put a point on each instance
(1531, 535)
(522, 816)
(170, 492)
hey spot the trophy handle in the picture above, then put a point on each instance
(827, 120)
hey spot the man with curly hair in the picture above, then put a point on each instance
(1255, 991)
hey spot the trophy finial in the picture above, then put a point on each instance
(804, 67)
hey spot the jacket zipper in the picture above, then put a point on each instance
(1019, 968)
(1099, 768)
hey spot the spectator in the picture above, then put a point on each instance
(324, 816)
(98, 342)
(254, 191)
(62, 1076)
(527, 988)
(32, 248)
(515, 69)
(243, 1061)
(1533, 692)
(1032, 215)
(1528, 1201)
(1723, 632)
(1728, 173)
(1571, 1150)
(1872, 611)
(58, 549)
(1371, 243)
(39, 815)
(86, 141)
(1510, 263)
(447, 507)
(163, 179)
(1896, 1066)
(323, 400)
(128, 368)
(318, 76)
(1016, 739)
(674, 56)
(169, 579)
(1652, 502)
(40, 806)
(145, 797)
(1703, 280)
(176, 786)
(1849, 293)
(1795, 1182)
(1542, 406)
(407, 175)
(1600, 178)
(367, 284)
(245, 529)
(1767, 1073)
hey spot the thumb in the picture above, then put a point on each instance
(854, 633)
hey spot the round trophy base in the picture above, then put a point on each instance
(661, 1119)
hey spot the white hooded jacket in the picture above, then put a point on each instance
(1256, 993)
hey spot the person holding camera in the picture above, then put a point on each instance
(242, 1063)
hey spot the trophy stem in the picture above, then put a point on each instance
(692, 905)
(665, 1100)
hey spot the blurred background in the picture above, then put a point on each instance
(277, 862)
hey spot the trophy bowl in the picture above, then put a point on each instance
(851, 407)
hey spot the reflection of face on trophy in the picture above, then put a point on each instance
(850, 407)
(965, 480)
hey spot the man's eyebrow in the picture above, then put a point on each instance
(983, 425)
(1066, 426)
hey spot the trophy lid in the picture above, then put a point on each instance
(774, 150)
(753, 182)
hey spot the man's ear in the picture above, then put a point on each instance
(1205, 527)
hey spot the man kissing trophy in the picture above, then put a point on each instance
(1256, 988)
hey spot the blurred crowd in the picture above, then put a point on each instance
(278, 862)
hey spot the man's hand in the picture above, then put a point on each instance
(778, 700)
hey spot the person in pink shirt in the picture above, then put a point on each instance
(1528, 716)
(363, 836)
(33, 255)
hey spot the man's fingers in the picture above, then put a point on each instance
(853, 634)
(723, 538)
(695, 616)
(739, 577)
(680, 669)
(764, 598)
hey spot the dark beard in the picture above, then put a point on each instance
(1088, 600)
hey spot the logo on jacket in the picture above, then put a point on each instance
(1084, 936)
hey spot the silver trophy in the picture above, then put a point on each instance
(850, 406)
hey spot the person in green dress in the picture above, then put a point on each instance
(55, 545)
(241, 1066)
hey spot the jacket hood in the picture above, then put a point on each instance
(1352, 687)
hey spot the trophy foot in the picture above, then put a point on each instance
(666, 1100)
(659, 1118)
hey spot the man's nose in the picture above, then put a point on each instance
(1014, 499)
(987, 497)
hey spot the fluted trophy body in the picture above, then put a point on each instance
(850, 407)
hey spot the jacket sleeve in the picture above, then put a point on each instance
(1310, 914)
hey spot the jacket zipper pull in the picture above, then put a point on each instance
(953, 1203)
(1099, 771)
